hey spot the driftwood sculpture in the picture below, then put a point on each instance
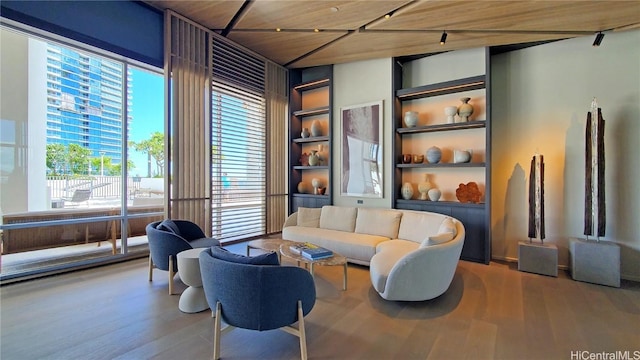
(594, 196)
(536, 198)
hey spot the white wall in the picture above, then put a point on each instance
(359, 83)
(541, 96)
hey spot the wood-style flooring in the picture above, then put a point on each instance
(489, 312)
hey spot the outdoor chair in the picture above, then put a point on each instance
(169, 237)
(79, 196)
(248, 294)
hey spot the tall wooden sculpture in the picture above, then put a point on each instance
(594, 200)
(536, 198)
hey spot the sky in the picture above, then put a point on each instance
(148, 114)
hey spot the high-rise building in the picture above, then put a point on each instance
(85, 102)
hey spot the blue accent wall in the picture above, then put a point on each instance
(129, 28)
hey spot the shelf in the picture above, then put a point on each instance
(310, 85)
(311, 139)
(325, 196)
(312, 112)
(443, 88)
(441, 203)
(474, 124)
(442, 165)
(317, 167)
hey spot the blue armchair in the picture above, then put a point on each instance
(256, 297)
(169, 237)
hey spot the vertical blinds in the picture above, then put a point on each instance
(238, 130)
(238, 163)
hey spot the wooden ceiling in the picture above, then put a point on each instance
(319, 32)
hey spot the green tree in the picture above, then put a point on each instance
(56, 158)
(154, 147)
(78, 159)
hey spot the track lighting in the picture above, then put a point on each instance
(443, 38)
(598, 40)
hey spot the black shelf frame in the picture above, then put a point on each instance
(442, 165)
(443, 88)
(474, 124)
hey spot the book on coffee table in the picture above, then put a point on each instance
(311, 251)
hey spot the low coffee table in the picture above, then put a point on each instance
(336, 259)
(268, 245)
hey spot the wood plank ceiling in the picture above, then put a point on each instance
(305, 33)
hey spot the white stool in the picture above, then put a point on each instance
(192, 299)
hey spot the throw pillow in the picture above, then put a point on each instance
(447, 226)
(221, 253)
(341, 218)
(378, 222)
(170, 226)
(437, 239)
(309, 217)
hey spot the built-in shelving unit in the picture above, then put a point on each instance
(433, 129)
(310, 100)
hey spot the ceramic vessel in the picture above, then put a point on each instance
(423, 187)
(418, 159)
(462, 156)
(411, 118)
(314, 159)
(434, 154)
(451, 112)
(465, 110)
(302, 187)
(317, 184)
(305, 133)
(406, 158)
(434, 194)
(407, 191)
(316, 128)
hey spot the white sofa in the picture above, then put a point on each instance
(412, 255)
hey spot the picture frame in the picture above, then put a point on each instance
(361, 145)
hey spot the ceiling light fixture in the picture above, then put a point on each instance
(278, 29)
(387, 16)
(598, 40)
(316, 30)
(443, 38)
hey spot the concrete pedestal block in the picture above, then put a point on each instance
(595, 262)
(538, 258)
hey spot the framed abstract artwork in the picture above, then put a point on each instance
(361, 149)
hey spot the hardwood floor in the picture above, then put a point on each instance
(492, 312)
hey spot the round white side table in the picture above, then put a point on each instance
(192, 299)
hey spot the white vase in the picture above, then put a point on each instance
(423, 187)
(316, 183)
(434, 194)
(314, 159)
(462, 156)
(407, 191)
(411, 118)
(451, 112)
(316, 128)
(305, 133)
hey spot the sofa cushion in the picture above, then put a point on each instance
(339, 218)
(270, 258)
(170, 226)
(416, 226)
(378, 222)
(437, 239)
(309, 217)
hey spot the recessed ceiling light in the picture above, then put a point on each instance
(334, 9)
(387, 16)
(278, 29)
(316, 30)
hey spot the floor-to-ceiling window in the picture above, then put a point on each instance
(80, 169)
(238, 128)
